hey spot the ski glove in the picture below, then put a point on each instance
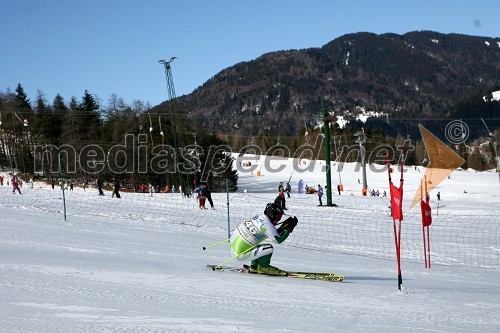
(289, 224)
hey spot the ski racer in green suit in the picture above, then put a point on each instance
(246, 240)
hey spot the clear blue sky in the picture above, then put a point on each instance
(113, 47)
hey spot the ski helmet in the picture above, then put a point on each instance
(274, 212)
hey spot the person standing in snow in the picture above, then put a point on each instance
(320, 194)
(301, 186)
(116, 188)
(14, 181)
(280, 200)
(205, 191)
(99, 186)
(201, 200)
(288, 189)
(246, 240)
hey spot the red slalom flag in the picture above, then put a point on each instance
(425, 209)
(396, 203)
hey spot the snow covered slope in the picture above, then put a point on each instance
(140, 267)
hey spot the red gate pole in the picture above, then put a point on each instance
(423, 228)
(429, 246)
(396, 213)
(428, 256)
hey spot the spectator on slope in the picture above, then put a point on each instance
(14, 181)
(116, 188)
(99, 186)
(301, 186)
(205, 191)
(246, 240)
(201, 200)
(288, 189)
(280, 200)
(320, 194)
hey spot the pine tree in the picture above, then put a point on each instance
(23, 112)
(43, 121)
(69, 130)
(89, 123)
(23, 102)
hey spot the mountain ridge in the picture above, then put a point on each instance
(420, 74)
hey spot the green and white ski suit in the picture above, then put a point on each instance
(251, 233)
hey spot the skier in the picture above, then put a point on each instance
(246, 240)
(320, 194)
(438, 196)
(281, 188)
(288, 189)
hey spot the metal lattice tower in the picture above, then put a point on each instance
(171, 95)
(177, 139)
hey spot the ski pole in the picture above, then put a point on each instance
(215, 244)
(385, 203)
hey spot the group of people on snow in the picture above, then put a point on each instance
(280, 199)
(14, 181)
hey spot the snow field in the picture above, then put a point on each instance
(137, 264)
